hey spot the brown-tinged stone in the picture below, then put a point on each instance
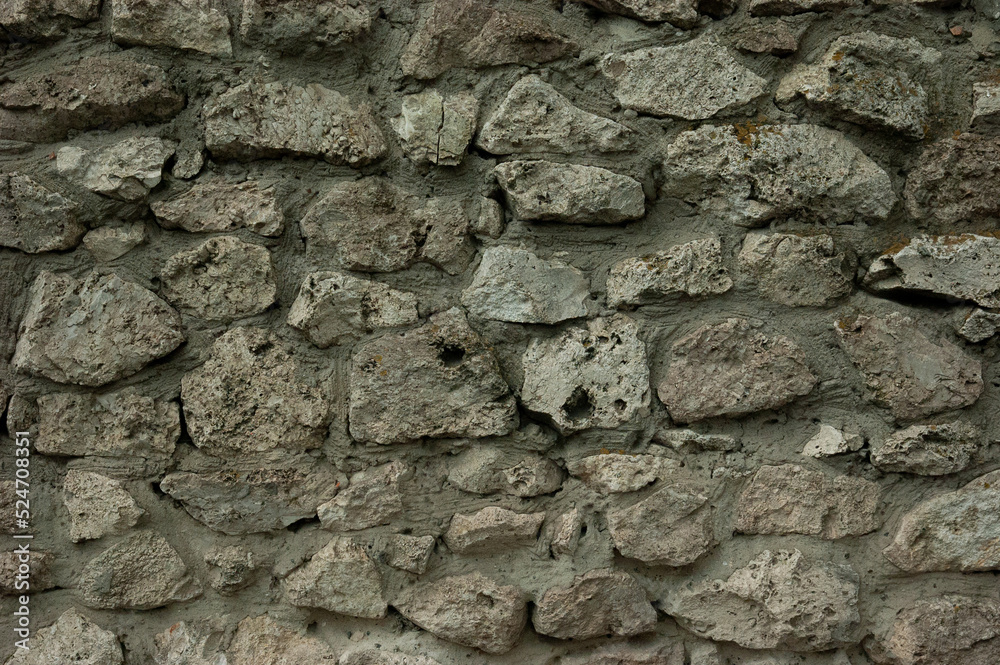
(598, 603)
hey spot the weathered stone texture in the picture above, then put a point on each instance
(35, 218)
(73, 638)
(436, 129)
(219, 206)
(492, 529)
(126, 170)
(797, 270)
(185, 24)
(263, 641)
(694, 269)
(955, 179)
(409, 553)
(929, 450)
(600, 602)
(673, 527)
(340, 578)
(372, 498)
(613, 473)
(98, 505)
(682, 13)
(44, 20)
(293, 25)
(107, 243)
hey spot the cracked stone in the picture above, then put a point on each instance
(98, 506)
(693, 268)
(492, 529)
(436, 129)
(125, 171)
(954, 180)
(183, 24)
(613, 473)
(34, 218)
(372, 498)
(598, 603)
(73, 638)
(289, 26)
(675, 526)
(798, 271)
(340, 578)
(930, 450)
(217, 206)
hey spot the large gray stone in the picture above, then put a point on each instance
(263, 641)
(492, 529)
(598, 603)
(292, 25)
(437, 129)
(694, 269)
(126, 170)
(674, 526)
(195, 25)
(956, 179)
(215, 206)
(372, 498)
(34, 218)
(44, 20)
(340, 578)
(615, 473)
(73, 638)
(797, 270)
(487, 469)
(930, 450)
(98, 505)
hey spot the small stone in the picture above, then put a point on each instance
(780, 600)
(247, 398)
(956, 179)
(409, 553)
(372, 498)
(124, 171)
(830, 441)
(73, 638)
(486, 470)
(471, 610)
(598, 603)
(517, 286)
(290, 26)
(231, 568)
(263, 641)
(789, 7)
(8, 503)
(570, 193)
(107, 243)
(688, 441)
(929, 450)
(439, 380)
(195, 643)
(798, 271)
(93, 331)
(217, 206)
(98, 506)
(44, 20)
(790, 499)
(681, 13)
(35, 219)
(588, 377)
(613, 473)
(339, 578)
(767, 372)
(985, 106)
(535, 118)
(694, 80)
(532, 476)
(184, 24)
(749, 174)
(675, 526)
(490, 221)
(376, 657)
(492, 530)
(189, 160)
(141, 572)
(267, 120)
(222, 279)
(980, 325)
(694, 269)
(777, 37)
(566, 533)
(905, 371)
(335, 308)
(39, 570)
(436, 129)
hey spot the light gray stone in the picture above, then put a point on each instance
(409, 553)
(44, 20)
(107, 243)
(490, 222)
(693, 268)
(98, 505)
(485, 469)
(436, 129)
(231, 568)
(191, 643)
(930, 450)
(73, 638)
(491, 530)
(566, 533)
(598, 603)
(263, 641)
(798, 271)
(674, 526)
(613, 473)
(829, 441)
(376, 657)
(195, 25)
(216, 206)
(34, 218)
(372, 498)
(292, 25)
(681, 13)
(688, 441)
(979, 325)
(532, 476)
(126, 170)
(340, 578)
(985, 106)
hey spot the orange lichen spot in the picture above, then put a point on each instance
(749, 133)
(838, 56)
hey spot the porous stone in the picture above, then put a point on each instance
(436, 128)
(126, 170)
(45, 106)
(34, 218)
(73, 638)
(791, 499)
(98, 505)
(92, 331)
(566, 533)
(195, 25)
(335, 308)
(44, 20)
(985, 107)
(598, 603)
(873, 80)
(907, 372)
(694, 269)
(14, 571)
(8, 503)
(569, 193)
(263, 641)
(588, 377)
(141, 572)
(483, 469)
(694, 80)
(613, 473)
(673, 527)
(230, 568)
(955, 531)
(291, 25)
(532, 476)
(979, 325)
(681, 13)
(107, 243)
(954, 180)
(778, 37)
(768, 372)
(217, 206)
(466, 33)
(517, 286)
(688, 441)
(829, 441)
(248, 398)
(194, 643)
(409, 553)
(535, 118)
(789, 7)
(492, 529)
(340, 578)
(929, 450)
(439, 380)
(372, 498)
(749, 174)
(257, 120)
(780, 600)
(471, 610)
(221, 279)
(798, 271)
(376, 657)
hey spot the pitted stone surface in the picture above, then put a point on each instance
(436, 129)
(73, 638)
(107, 243)
(409, 553)
(930, 450)
(45, 20)
(614, 473)
(125, 170)
(263, 641)
(295, 25)
(599, 602)
(694, 269)
(375, 657)
(672, 527)
(682, 13)
(492, 529)
(219, 206)
(35, 218)
(954, 180)
(372, 498)
(186, 24)
(340, 578)
(797, 271)
(484, 469)
(98, 505)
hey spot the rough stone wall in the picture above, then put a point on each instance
(602, 332)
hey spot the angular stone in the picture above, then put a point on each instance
(439, 380)
(613, 473)
(569, 193)
(675, 526)
(93, 331)
(466, 33)
(221, 279)
(930, 450)
(694, 80)
(979, 325)
(335, 308)
(141, 572)
(98, 505)
(291, 25)
(230, 568)
(566, 533)
(872, 80)
(985, 107)
(956, 179)
(436, 129)
(376, 657)
(217, 206)
(257, 120)
(263, 641)
(778, 37)
(107, 243)
(195, 643)
(789, 7)
(487, 470)
(780, 600)
(409, 553)
(73, 638)
(247, 398)
(254, 501)
(694, 269)
(749, 174)
(491, 530)
(688, 441)
(490, 222)
(532, 476)
(183, 24)
(905, 371)
(44, 20)
(517, 286)
(126, 170)
(339, 578)
(798, 271)
(588, 377)
(829, 441)
(955, 531)
(790, 499)
(372, 498)
(471, 610)
(535, 118)
(767, 372)
(44, 107)
(681, 13)
(598, 603)
(34, 218)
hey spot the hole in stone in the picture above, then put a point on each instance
(620, 404)
(451, 355)
(578, 406)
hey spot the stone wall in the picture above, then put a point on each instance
(602, 332)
